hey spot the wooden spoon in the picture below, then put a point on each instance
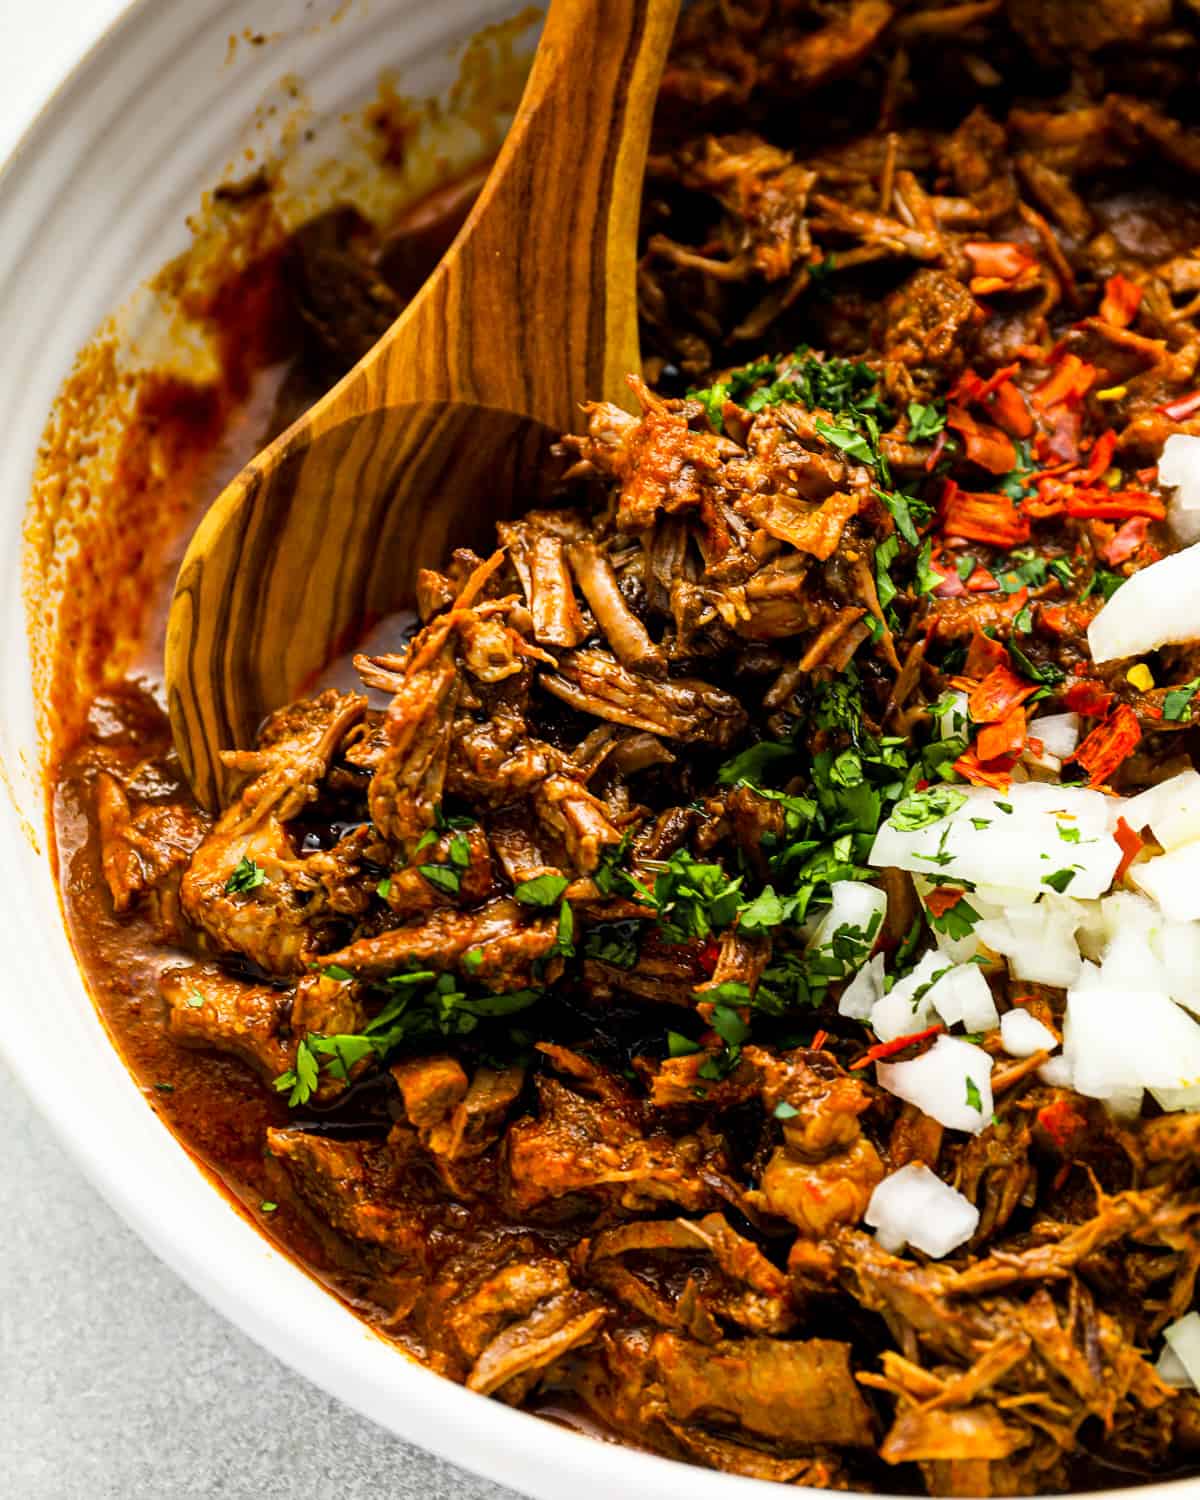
(443, 426)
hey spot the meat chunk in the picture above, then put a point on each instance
(581, 1144)
(794, 1392)
(454, 1118)
(923, 332)
(138, 851)
(509, 945)
(1062, 28)
(209, 1008)
(246, 886)
(682, 709)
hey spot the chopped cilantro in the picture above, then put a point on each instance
(925, 421)
(751, 764)
(460, 851)
(679, 1045)
(267, 1207)
(615, 943)
(442, 877)
(928, 578)
(785, 1111)
(1177, 704)
(957, 921)
(542, 890)
(1060, 880)
(384, 889)
(247, 876)
(335, 971)
(974, 1097)
(923, 808)
(1005, 807)
(1068, 835)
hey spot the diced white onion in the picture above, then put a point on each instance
(1180, 466)
(1120, 1041)
(982, 843)
(1156, 606)
(854, 904)
(965, 995)
(1171, 810)
(1182, 1338)
(1172, 881)
(1059, 733)
(951, 1083)
(1056, 1072)
(1023, 1034)
(1183, 1100)
(915, 1207)
(864, 991)
(1038, 940)
(898, 1013)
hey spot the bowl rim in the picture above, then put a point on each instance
(330, 1346)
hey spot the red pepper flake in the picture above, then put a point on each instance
(1000, 259)
(1099, 459)
(1088, 697)
(942, 898)
(972, 387)
(982, 655)
(882, 1050)
(951, 586)
(1126, 542)
(1070, 380)
(1131, 845)
(996, 773)
(981, 581)
(1181, 408)
(1114, 505)
(1009, 411)
(1109, 745)
(708, 955)
(992, 519)
(984, 445)
(1056, 618)
(1122, 298)
(1065, 1121)
(999, 692)
(1004, 738)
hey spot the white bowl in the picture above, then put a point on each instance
(93, 201)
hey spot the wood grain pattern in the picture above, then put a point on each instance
(443, 426)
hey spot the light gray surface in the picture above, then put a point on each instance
(118, 1383)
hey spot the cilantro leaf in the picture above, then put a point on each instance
(247, 876)
(923, 808)
(542, 890)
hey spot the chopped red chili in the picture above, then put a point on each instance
(993, 519)
(999, 692)
(1109, 745)
(1131, 845)
(1122, 298)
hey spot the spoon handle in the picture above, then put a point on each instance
(533, 310)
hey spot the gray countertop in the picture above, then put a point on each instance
(118, 1383)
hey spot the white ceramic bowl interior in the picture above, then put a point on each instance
(94, 201)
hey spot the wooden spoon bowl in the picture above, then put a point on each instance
(442, 428)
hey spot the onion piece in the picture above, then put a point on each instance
(1172, 881)
(907, 1007)
(965, 995)
(864, 991)
(1038, 940)
(951, 1083)
(1179, 466)
(914, 1206)
(1158, 606)
(1171, 810)
(1059, 733)
(998, 839)
(1023, 1034)
(1119, 1041)
(1182, 1338)
(856, 906)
